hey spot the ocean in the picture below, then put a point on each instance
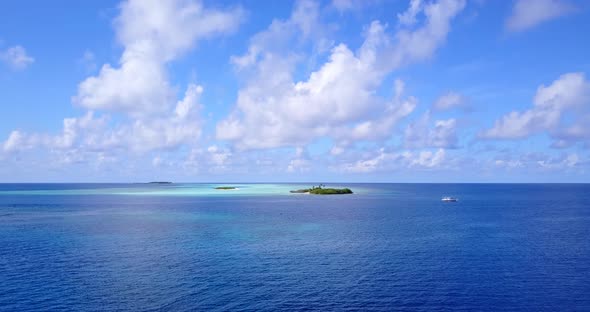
(189, 247)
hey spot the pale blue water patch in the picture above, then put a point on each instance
(180, 189)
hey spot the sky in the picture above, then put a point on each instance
(293, 91)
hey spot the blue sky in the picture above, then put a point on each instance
(342, 90)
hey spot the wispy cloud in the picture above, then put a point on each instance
(527, 14)
(16, 57)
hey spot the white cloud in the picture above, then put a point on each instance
(390, 161)
(300, 162)
(218, 156)
(85, 130)
(168, 131)
(366, 165)
(16, 141)
(153, 33)
(282, 37)
(536, 161)
(139, 87)
(450, 100)
(73, 129)
(419, 133)
(338, 100)
(213, 159)
(408, 18)
(16, 57)
(569, 161)
(575, 131)
(421, 43)
(429, 159)
(529, 13)
(569, 93)
(306, 16)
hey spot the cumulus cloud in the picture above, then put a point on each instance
(419, 44)
(153, 33)
(182, 126)
(138, 87)
(16, 57)
(16, 141)
(420, 133)
(213, 159)
(339, 99)
(527, 14)
(282, 37)
(74, 130)
(133, 107)
(91, 133)
(570, 93)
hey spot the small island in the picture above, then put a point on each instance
(160, 182)
(226, 188)
(321, 190)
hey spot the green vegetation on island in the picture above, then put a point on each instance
(330, 191)
(226, 188)
(321, 190)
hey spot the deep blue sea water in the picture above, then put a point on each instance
(88, 247)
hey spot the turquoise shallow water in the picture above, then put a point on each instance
(187, 189)
(185, 247)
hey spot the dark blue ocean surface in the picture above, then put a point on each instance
(387, 247)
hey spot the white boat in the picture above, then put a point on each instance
(449, 199)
